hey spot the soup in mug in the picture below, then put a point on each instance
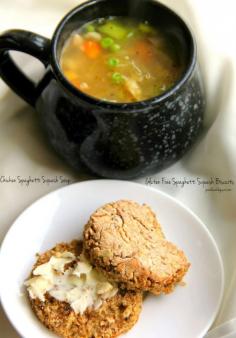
(120, 59)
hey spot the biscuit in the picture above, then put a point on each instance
(115, 316)
(125, 241)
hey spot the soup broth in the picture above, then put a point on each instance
(120, 60)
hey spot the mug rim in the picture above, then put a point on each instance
(120, 105)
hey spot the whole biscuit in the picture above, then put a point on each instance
(125, 241)
(115, 316)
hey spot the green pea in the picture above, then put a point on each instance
(117, 78)
(107, 42)
(113, 62)
(90, 28)
(115, 47)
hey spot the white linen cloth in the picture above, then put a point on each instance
(24, 151)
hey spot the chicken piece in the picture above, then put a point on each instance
(133, 88)
(93, 36)
(76, 40)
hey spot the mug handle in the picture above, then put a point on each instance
(26, 42)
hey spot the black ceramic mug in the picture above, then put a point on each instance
(110, 139)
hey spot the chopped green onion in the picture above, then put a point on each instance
(115, 47)
(113, 62)
(107, 42)
(145, 27)
(90, 28)
(117, 78)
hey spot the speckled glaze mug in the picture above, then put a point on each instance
(109, 139)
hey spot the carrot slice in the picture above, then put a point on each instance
(91, 48)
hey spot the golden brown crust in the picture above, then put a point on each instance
(114, 317)
(125, 241)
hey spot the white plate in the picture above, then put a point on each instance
(60, 216)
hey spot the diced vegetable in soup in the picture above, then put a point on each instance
(120, 60)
